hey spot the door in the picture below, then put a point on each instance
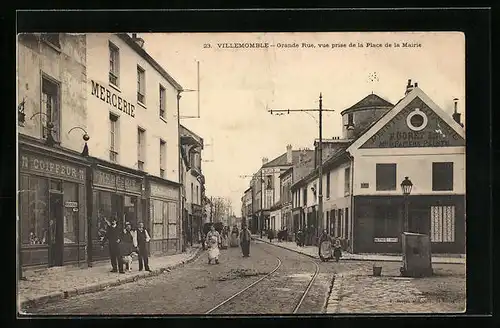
(56, 229)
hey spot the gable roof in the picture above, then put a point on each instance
(370, 101)
(281, 160)
(384, 119)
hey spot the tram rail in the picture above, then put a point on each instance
(279, 264)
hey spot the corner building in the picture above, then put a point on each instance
(132, 107)
(52, 212)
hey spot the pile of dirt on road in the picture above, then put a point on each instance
(239, 273)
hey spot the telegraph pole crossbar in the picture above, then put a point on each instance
(320, 150)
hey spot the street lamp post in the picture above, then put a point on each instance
(406, 186)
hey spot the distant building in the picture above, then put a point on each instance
(193, 183)
(265, 184)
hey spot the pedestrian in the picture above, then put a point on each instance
(325, 246)
(213, 240)
(113, 236)
(270, 235)
(142, 243)
(127, 244)
(245, 238)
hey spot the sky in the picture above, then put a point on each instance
(238, 86)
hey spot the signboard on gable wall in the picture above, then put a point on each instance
(416, 125)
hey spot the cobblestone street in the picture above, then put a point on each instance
(357, 291)
(198, 287)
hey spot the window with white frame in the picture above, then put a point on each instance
(114, 64)
(163, 155)
(163, 101)
(50, 107)
(141, 85)
(442, 224)
(141, 148)
(113, 138)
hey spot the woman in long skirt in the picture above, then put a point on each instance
(213, 240)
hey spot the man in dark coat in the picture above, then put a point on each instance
(142, 240)
(113, 236)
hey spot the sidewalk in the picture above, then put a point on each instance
(53, 284)
(312, 251)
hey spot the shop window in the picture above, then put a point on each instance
(442, 176)
(442, 224)
(50, 107)
(34, 210)
(157, 209)
(386, 221)
(70, 198)
(386, 177)
(104, 213)
(304, 195)
(114, 64)
(172, 220)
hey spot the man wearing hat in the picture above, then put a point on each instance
(113, 236)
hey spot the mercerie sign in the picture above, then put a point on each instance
(112, 98)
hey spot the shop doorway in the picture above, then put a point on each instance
(56, 229)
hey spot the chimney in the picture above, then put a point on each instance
(264, 160)
(289, 156)
(456, 115)
(409, 87)
(139, 41)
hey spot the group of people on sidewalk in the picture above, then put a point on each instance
(125, 245)
(214, 242)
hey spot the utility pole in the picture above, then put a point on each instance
(320, 150)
